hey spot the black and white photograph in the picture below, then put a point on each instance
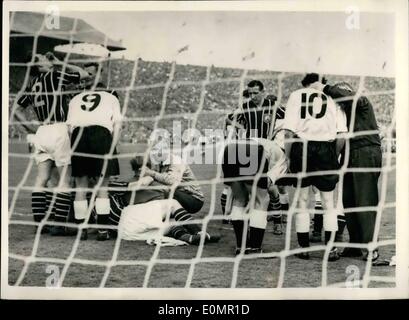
(166, 149)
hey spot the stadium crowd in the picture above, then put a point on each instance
(79, 107)
(222, 93)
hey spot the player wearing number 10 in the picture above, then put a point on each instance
(314, 120)
(94, 118)
(45, 94)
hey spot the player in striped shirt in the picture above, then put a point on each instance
(261, 116)
(258, 112)
(45, 94)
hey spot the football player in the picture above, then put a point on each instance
(95, 119)
(250, 167)
(45, 94)
(312, 123)
(232, 129)
(361, 151)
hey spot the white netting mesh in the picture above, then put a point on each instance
(152, 96)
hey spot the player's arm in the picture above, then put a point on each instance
(141, 182)
(172, 176)
(341, 129)
(116, 132)
(72, 72)
(341, 91)
(118, 187)
(21, 118)
(235, 120)
(23, 101)
(280, 112)
(272, 98)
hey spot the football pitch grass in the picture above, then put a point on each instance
(176, 262)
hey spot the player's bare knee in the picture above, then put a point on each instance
(41, 180)
(327, 199)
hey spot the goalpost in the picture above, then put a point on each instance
(131, 85)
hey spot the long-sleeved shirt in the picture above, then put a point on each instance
(173, 171)
(45, 94)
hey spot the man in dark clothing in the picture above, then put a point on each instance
(363, 150)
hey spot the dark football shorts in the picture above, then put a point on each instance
(92, 140)
(321, 156)
(244, 160)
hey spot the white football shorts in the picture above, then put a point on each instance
(52, 142)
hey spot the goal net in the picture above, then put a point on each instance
(167, 95)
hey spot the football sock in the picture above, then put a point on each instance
(275, 206)
(180, 233)
(258, 224)
(238, 226)
(182, 215)
(116, 209)
(49, 197)
(341, 224)
(102, 206)
(223, 199)
(318, 217)
(62, 206)
(38, 205)
(284, 201)
(327, 236)
(318, 222)
(237, 220)
(256, 237)
(303, 239)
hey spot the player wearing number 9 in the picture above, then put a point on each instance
(94, 119)
(45, 94)
(312, 123)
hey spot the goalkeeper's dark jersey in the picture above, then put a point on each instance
(259, 122)
(45, 93)
(363, 116)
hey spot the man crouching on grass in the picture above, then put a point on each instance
(251, 167)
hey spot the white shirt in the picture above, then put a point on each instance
(312, 115)
(94, 108)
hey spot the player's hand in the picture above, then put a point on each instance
(317, 85)
(52, 58)
(142, 182)
(149, 172)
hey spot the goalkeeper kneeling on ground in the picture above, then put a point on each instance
(172, 171)
(250, 167)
